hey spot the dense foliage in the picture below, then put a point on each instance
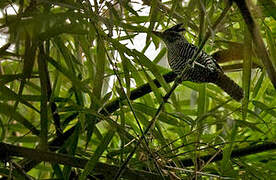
(85, 91)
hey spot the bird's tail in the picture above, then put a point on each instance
(230, 87)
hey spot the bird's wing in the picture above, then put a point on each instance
(187, 50)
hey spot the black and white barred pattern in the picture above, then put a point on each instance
(179, 54)
(204, 69)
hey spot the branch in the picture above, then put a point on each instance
(55, 158)
(238, 67)
(136, 93)
(236, 153)
(257, 39)
(54, 145)
(234, 52)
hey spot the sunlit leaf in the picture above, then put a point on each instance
(99, 151)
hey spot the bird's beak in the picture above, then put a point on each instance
(159, 34)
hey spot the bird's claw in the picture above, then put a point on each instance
(191, 63)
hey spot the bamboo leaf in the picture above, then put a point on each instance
(125, 64)
(264, 107)
(247, 65)
(258, 85)
(100, 68)
(8, 110)
(4, 79)
(160, 55)
(45, 97)
(29, 58)
(271, 44)
(3, 131)
(99, 151)
(8, 94)
(269, 8)
(69, 75)
(250, 125)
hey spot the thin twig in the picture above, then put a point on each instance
(20, 170)
(254, 149)
(158, 112)
(197, 172)
(58, 158)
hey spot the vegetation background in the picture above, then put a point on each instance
(79, 99)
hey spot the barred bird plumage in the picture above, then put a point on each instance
(205, 69)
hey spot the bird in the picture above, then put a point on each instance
(204, 70)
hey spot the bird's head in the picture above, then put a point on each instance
(171, 35)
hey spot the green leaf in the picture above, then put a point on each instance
(126, 5)
(160, 55)
(202, 100)
(269, 8)
(8, 110)
(90, 165)
(258, 85)
(71, 76)
(29, 58)
(226, 166)
(3, 132)
(61, 29)
(151, 111)
(249, 125)
(71, 146)
(271, 43)
(125, 64)
(8, 94)
(57, 171)
(100, 70)
(4, 48)
(45, 97)
(154, 10)
(247, 65)
(264, 107)
(4, 79)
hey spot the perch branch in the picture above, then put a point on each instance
(254, 149)
(40, 155)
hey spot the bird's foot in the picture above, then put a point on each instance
(193, 63)
(199, 64)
